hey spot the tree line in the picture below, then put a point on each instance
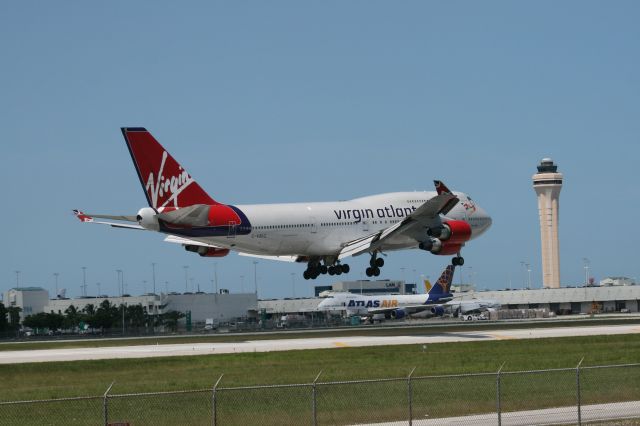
(104, 316)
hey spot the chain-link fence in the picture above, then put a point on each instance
(599, 394)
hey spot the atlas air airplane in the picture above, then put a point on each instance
(392, 306)
(320, 235)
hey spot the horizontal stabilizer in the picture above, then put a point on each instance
(196, 215)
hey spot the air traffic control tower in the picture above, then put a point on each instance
(547, 184)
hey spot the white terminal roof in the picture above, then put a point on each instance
(557, 295)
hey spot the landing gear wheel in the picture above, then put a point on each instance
(305, 274)
(332, 270)
(376, 271)
(345, 268)
(379, 262)
(338, 270)
(369, 272)
(457, 261)
(323, 269)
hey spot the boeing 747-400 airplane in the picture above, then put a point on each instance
(319, 234)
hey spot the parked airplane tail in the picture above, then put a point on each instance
(443, 285)
(165, 182)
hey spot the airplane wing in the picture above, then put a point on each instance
(83, 217)
(280, 258)
(411, 309)
(412, 227)
(186, 241)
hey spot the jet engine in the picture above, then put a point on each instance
(448, 238)
(207, 251)
(147, 219)
(437, 311)
(398, 313)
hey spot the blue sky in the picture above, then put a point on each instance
(299, 101)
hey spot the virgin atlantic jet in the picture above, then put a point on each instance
(321, 235)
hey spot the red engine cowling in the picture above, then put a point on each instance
(207, 251)
(213, 252)
(449, 238)
(449, 249)
(455, 232)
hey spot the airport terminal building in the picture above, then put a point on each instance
(225, 308)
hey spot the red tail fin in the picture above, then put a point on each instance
(165, 182)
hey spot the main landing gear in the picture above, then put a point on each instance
(375, 264)
(315, 269)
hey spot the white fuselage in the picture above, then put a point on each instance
(317, 229)
(364, 304)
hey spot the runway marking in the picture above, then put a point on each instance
(341, 345)
(502, 337)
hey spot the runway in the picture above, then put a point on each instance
(546, 416)
(185, 349)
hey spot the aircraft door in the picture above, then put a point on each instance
(314, 225)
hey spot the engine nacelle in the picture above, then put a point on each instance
(433, 245)
(398, 313)
(207, 251)
(437, 311)
(455, 232)
(147, 219)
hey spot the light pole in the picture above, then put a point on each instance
(215, 275)
(529, 271)
(98, 284)
(55, 274)
(186, 278)
(293, 284)
(153, 275)
(17, 278)
(121, 285)
(524, 271)
(120, 289)
(586, 270)
(84, 281)
(255, 277)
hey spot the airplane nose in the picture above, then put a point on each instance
(485, 222)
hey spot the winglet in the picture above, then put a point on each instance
(441, 187)
(82, 217)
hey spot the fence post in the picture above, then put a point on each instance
(105, 405)
(578, 392)
(214, 417)
(314, 410)
(410, 396)
(498, 396)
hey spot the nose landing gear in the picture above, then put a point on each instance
(458, 260)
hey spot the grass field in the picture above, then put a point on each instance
(336, 403)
